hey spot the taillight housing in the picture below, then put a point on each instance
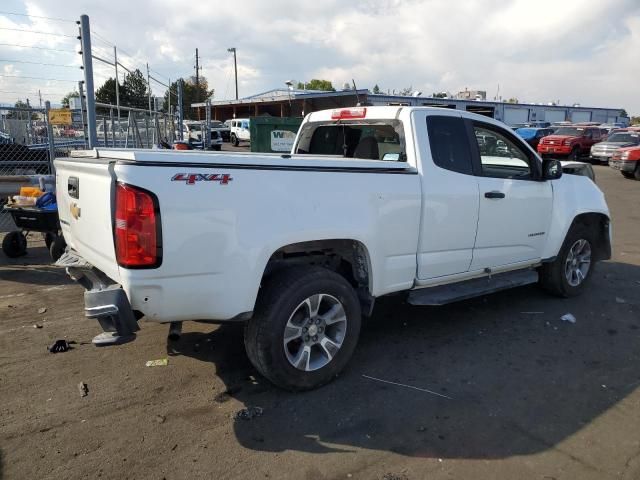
(348, 113)
(136, 228)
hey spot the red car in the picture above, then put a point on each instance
(570, 141)
(627, 161)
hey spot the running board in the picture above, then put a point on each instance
(453, 292)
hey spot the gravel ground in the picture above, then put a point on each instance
(531, 396)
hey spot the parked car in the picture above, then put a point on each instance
(570, 142)
(223, 128)
(192, 133)
(627, 162)
(239, 130)
(371, 201)
(602, 152)
(533, 135)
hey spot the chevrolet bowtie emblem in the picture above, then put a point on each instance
(75, 210)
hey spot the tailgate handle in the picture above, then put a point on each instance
(73, 187)
(494, 194)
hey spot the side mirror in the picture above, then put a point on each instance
(551, 169)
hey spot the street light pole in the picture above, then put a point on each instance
(235, 67)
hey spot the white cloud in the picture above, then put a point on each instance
(572, 50)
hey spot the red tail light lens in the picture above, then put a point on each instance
(137, 228)
(349, 113)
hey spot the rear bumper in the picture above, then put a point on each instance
(104, 300)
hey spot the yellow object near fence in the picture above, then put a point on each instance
(60, 116)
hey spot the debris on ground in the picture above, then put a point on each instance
(227, 394)
(160, 418)
(393, 476)
(248, 413)
(620, 300)
(83, 388)
(162, 362)
(407, 386)
(42, 310)
(36, 325)
(568, 317)
(59, 346)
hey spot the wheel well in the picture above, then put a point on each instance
(348, 258)
(600, 225)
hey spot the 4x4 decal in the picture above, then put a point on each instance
(192, 178)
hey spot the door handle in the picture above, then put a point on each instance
(494, 194)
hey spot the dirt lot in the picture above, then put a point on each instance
(530, 396)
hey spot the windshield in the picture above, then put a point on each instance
(526, 133)
(571, 131)
(624, 138)
(367, 139)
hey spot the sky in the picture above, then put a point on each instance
(574, 51)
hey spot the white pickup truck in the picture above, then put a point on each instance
(439, 204)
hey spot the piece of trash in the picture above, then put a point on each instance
(162, 362)
(620, 300)
(248, 413)
(604, 386)
(174, 447)
(160, 418)
(42, 310)
(407, 386)
(83, 389)
(59, 346)
(35, 325)
(568, 317)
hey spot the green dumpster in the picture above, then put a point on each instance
(273, 134)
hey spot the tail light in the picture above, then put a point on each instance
(137, 228)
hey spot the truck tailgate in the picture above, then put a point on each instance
(84, 189)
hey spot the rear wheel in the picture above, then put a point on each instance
(630, 175)
(235, 140)
(57, 248)
(572, 269)
(14, 244)
(305, 327)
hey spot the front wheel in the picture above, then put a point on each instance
(305, 327)
(14, 244)
(572, 269)
(575, 153)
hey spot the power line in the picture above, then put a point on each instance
(35, 93)
(39, 78)
(40, 33)
(39, 63)
(37, 16)
(39, 48)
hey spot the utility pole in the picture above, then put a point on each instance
(40, 97)
(115, 63)
(235, 67)
(198, 68)
(87, 63)
(149, 89)
(180, 111)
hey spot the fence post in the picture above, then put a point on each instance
(52, 141)
(87, 62)
(207, 119)
(180, 112)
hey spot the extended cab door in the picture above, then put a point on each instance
(449, 194)
(515, 206)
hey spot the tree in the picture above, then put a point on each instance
(65, 99)
(134, 90)
(191, 93)
(635, 121)
(316, 84)
(21, 114)
(406, 91)
(376, 89)
(107, 92)
(512, 100)
(623, 113)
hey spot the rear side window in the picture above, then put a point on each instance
(449, 143)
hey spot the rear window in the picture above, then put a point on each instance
(364, 139)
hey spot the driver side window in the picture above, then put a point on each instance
(500, 156)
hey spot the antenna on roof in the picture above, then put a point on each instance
(355, 89)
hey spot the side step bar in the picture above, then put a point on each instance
(443, 294)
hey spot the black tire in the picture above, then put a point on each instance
(629, 175)
(14, 244)
(234, 140)
(57, 248)
(574, 155)
(217, 147)
(48, 239)
(636, 172)
(553, 276)
(282, 296)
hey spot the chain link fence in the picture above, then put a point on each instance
(133, 128)
(27, 144)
